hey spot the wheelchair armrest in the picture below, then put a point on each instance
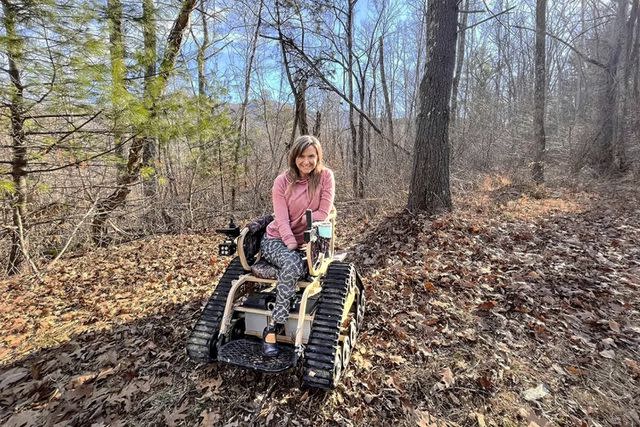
(241, 254)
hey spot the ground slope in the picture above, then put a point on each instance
(521, 306)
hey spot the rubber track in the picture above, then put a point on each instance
(205, 331)
(320, 351)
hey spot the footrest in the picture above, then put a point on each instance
(248, 354)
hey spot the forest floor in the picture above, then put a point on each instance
(520, 307)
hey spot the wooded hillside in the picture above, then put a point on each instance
(486, 156)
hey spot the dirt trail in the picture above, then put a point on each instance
(518, 307)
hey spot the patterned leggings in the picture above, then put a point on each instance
(291, 267)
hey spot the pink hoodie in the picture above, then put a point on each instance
(290, 222)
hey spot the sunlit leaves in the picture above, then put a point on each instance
(6, 187)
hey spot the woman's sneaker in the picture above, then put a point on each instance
(269, 343)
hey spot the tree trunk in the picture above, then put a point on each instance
(355, 172)
(242, 137)
(429, 190)
(118, 88)
(607, 134)
(626, 125)
(385, 92)
(287, 69)
(18, 148)
(317, 124)
(539, 91)
(360, 189)
(301, 106)
(459, 62)
(117, 198)
(149, 153)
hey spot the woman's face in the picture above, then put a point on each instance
(307, 160)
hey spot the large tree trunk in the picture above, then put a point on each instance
(607, 134)
(117, 198)
(429, 189)
(18, 148)
(626, 123)
(539, 91)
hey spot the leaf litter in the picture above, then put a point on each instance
(518, 310)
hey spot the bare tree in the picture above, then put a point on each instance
(607, 137)
(539, 91)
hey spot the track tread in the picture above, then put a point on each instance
(320, 352)
(206, 328)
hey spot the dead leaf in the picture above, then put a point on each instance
(429, 287)
(484, 381)
(81, 379)
(536, 393)
(431, 321)
(178, 414)
(209, 418)
(397, 359)
(633, 366)
(25, 419)
(614, 326)
(487, 305)
(12, 376)
(361, 361)
(425, 419)
(447, 377)
(608, 354)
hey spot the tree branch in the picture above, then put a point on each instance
(570, 46)
(333, 88)
(75, 129)
(493, 15)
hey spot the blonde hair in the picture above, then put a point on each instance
(293, 174)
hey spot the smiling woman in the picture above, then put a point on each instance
(307, 184)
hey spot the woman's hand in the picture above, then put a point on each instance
(292, 246)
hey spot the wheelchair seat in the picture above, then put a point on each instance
(317, 256)
(264, 270)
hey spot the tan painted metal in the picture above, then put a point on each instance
(310, 289)
(323, 259)
(240, 244)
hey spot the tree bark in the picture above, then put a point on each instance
(301, 106)
(626, 122)
(242, 137)
(385, 92)
(18, 146)
(539, 92)
(317, 124)
(149, 154)
(355, 171)
(294, 84)
(117, 198)
(459, 62)
(118, 88)
(607, 134)
(429, 190)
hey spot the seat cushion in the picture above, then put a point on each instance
(264, 270)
